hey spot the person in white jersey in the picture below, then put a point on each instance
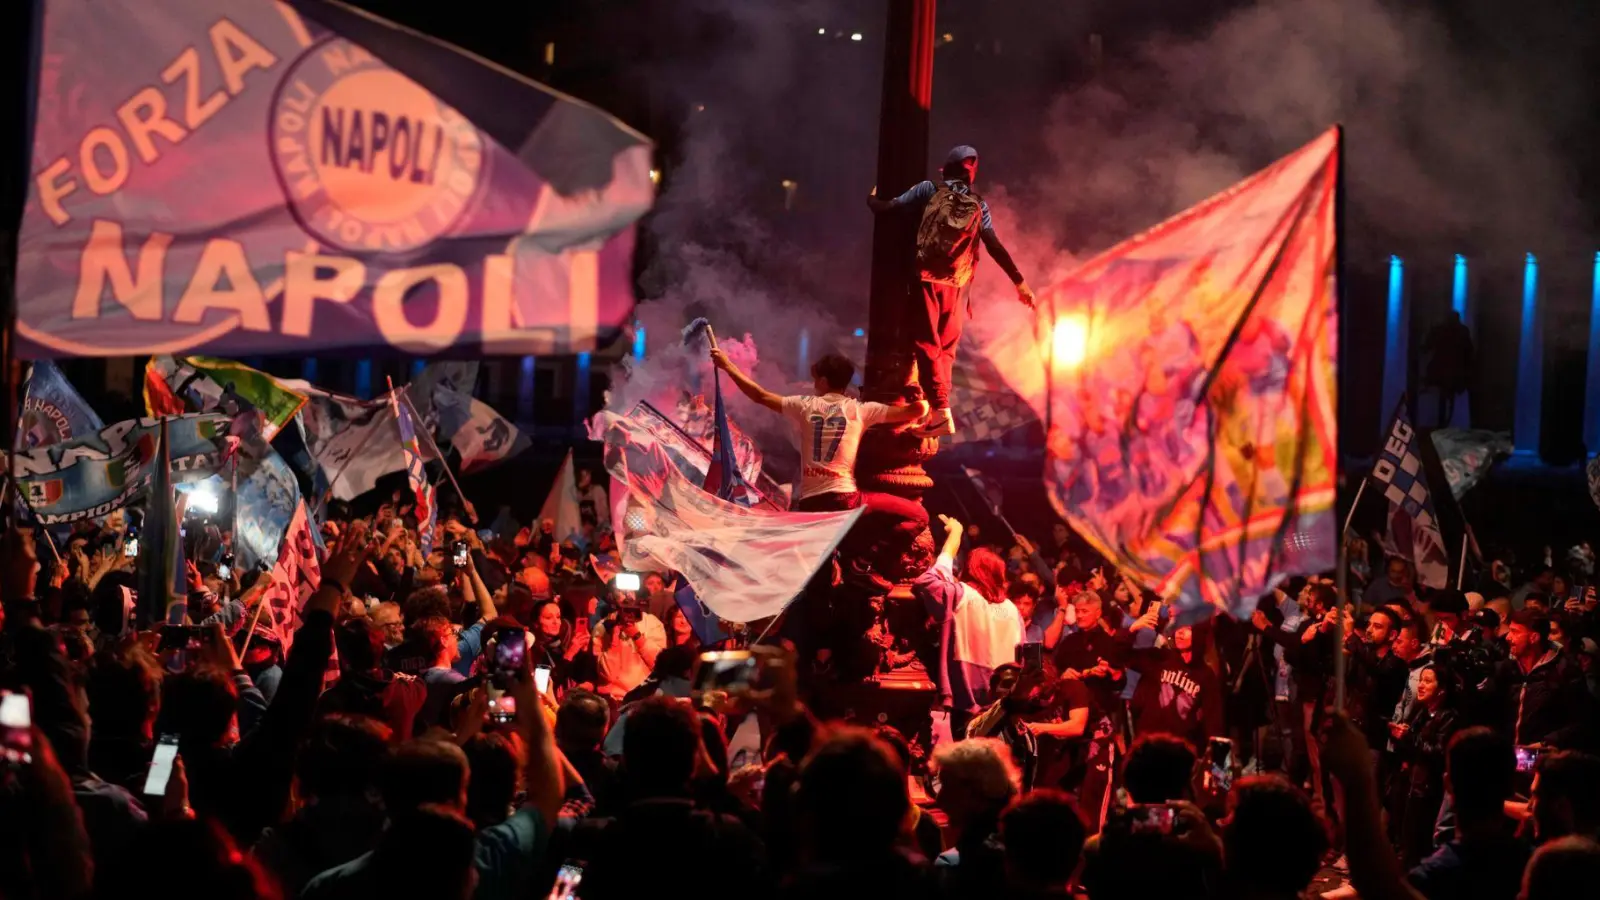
(831, 425)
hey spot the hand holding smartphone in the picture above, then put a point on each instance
(16, 728)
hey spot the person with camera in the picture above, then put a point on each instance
(625, 645)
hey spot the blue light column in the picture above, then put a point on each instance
(580, 390)
(308, 370)
(1461, 302)
(1396, 339)
(804, 367)
(364, 378)
(638, 341)
(1530, 365)
(525, 390)
(1591, 395)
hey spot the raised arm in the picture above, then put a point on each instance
(745, 383)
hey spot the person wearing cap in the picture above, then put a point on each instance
(947, 255)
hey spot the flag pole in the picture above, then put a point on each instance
(1351, 515)
(1341, 576)
(1461, 569)
(428, 433)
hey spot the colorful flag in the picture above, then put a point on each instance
(723, 479)
(264, 505)
(1186, 379)
(698, 419)
(295, 576)
(302, 176)
(1467, 455)
(416, 475)
(743, 563)
(1413, 525)
(203, 384)
(480, 435)
(350, 441)
(90, 476)
(647, 425)
(52, 411)
(561, 504)
(984, 406)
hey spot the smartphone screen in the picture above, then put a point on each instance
(463, 556)
(130, 547)
(224, 572)
(1155, 817)
(568, 878)
(627, 581)
(1527, 758)
(16, 728)
(725, 670)
(541, 679)
(510, 649)
(1220, 751)
(155, 783)
(502, 706)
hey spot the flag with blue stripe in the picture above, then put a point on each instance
(417, 477)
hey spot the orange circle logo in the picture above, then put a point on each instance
(370, 161)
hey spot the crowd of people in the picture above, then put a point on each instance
(497, 719)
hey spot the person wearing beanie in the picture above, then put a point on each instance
(954, 220)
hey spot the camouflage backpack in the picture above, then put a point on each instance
(947, 239)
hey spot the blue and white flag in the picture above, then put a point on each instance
(350, 441)
(482, 436)
(1413, 526)
(743, 563)
(264, 505)
(52, 411)
(90, 476)
(416, 476)
(722, 477)
(301, 176)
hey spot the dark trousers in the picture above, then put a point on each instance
(935, 332)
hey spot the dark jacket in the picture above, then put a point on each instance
(1378, 681)
(1548, 704)
(246, 786)
(1175, 697)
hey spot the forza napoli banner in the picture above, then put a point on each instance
(285, 177)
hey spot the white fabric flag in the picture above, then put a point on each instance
(561, 504)
(355, 442)
(744, 563)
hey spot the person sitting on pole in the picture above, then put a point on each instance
(954, 220)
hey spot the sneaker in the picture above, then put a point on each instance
(940, 422)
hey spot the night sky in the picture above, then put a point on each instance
(1469, 131)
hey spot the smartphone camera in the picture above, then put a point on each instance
(541, 679)
(460, 554)
(130, 547)
(16, 728)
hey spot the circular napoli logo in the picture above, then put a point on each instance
(370, 161)
(43, 424)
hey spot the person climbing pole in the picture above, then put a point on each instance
(954, 220)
